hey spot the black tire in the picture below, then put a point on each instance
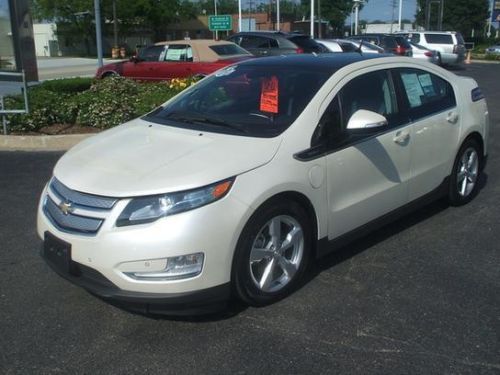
(457, 195)
(109, 74)
(243, 273)
(440, 61)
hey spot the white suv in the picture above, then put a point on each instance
(450, 45)
(234, 185)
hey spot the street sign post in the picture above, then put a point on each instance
(222, 22)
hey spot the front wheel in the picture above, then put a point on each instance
(465, 175)
(272, 253)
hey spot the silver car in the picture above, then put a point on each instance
(345, 45)
(450, 45)
(422, 53)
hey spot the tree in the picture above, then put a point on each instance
(76, 17)
(458, 15)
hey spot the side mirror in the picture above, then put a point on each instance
(134, 59)
(366, 120)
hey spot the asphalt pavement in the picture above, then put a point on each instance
(420, 296)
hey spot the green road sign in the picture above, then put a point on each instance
(221, 23)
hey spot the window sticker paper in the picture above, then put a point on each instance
(413, 89)
(269, 95)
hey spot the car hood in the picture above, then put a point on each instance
(141, 158)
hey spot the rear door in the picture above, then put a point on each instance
(432, 108)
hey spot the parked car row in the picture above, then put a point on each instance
(184, 58)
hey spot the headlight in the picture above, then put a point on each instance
(148, 209)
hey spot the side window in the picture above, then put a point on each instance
(254, 42)
(151, 53)
(373, 92)
(329, 129)
(415, 38)
(425, 92)
(273, 43)
(179, 52)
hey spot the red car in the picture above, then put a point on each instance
(177, 59)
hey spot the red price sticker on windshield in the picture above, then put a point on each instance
(269, 95)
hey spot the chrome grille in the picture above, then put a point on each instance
(81, 199)
(74, 212)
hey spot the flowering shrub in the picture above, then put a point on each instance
(107, 103)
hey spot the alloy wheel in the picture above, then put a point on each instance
(276, 253)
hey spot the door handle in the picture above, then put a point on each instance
(401, 137)
(452, 118)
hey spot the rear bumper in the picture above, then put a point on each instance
(189, 303)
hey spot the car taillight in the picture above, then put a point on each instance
(400, 51)
(428, 53)
(299, 50)
(476, 94)
(455, 48)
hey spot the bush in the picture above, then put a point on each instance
(67, 85)
(103, 104)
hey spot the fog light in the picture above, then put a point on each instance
(179, 267)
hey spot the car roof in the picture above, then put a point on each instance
(270, 33)
(326, 62)
(203, 51)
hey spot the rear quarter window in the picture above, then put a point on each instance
(439, 38)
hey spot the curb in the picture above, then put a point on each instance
(40, 142)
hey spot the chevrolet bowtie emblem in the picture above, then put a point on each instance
(66, 207)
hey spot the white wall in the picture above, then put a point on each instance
(386, 27)
(44, 33)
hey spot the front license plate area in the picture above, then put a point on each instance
(57, 252)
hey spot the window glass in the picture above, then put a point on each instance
(179, 52)
(439, 38)
(254, 42)
(7, 56)
(426, 93)
(330, 129)
(373, 92)
(249, 100)
(228, 50)
(415, 38)
(151, 53)
(389, 42)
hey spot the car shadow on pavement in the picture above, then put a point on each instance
(352, 249)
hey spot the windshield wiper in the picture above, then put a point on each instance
(190, 118)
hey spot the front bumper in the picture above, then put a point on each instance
(187, 303)
(100, 262)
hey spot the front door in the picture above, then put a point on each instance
(368, 171)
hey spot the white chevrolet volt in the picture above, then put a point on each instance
(232, 187)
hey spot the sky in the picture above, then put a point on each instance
(382, 10)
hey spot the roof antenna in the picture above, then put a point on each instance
(358, 50)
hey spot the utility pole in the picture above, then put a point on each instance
(215, 14)
(393, 5)
(357, 3)
(98, 32)
(428, 11)
(488, 34)
(115, 26)
(278, 15)
(320, 24)
(239, 15)
(400, 14)
(312, 19)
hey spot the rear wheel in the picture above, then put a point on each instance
(272, 253)
(466, 169)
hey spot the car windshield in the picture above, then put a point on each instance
(248, 100)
